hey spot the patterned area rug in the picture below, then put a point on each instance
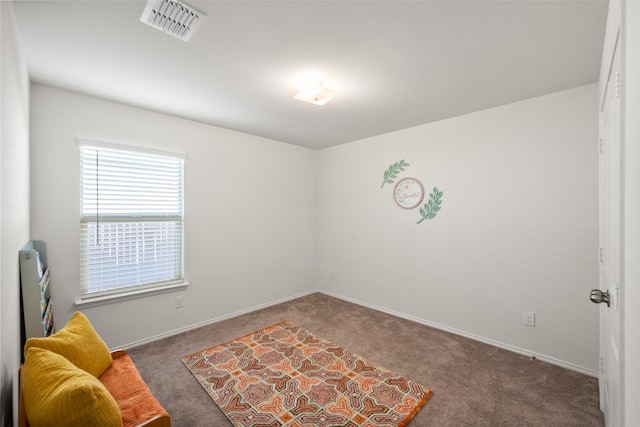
(284, 375)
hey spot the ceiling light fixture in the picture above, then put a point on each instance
(315, 93)
(172, 17)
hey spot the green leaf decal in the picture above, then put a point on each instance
(432, 207)
(392, 173)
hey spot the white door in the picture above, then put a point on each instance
(610, 245)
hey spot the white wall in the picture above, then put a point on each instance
(250, 221)
(517, 230)
(14, 203)
(631, 136)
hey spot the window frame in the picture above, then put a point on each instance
(132, 219)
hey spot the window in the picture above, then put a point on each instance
(131, 220)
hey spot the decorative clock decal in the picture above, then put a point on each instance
(408, 193)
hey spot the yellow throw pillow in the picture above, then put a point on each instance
(79, 343)
(57, 393)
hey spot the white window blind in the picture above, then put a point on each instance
(131, 220)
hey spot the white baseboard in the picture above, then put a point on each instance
(499, 344)
(216, 320)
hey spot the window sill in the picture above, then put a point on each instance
(108, 299)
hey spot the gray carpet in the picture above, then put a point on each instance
(474, 384)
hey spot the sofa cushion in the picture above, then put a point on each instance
(79, 343)
(56, 392)
(125, 384)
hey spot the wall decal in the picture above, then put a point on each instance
(392, 173)
(408, 193)
(431, 208)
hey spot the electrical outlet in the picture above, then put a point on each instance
(529, 318)
(179, 301)
(332, 275)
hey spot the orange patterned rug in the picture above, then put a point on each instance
(284, 375)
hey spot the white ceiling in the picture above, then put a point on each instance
(397, 64)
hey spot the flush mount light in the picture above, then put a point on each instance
(172, 17)
(315, 93)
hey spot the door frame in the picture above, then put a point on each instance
(630, 27)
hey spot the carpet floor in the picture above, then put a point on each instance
(474, 384)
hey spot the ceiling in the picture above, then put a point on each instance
(396, 64)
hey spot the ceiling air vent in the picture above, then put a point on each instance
(172, 17)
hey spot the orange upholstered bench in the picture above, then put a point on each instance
(138, 406)
(123, 381)
(71, 379)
